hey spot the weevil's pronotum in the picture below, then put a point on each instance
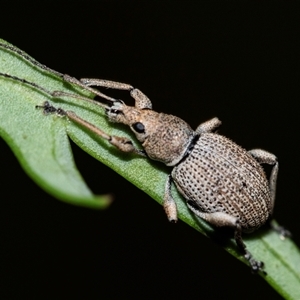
(221, 182)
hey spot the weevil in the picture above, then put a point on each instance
(222, 183)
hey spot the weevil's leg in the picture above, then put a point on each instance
(208, 126)
(255, 265)
(264, 157)
(56, 94)
(169, 203)
(141, 100)
(106, 83)
(121, 143)
(220, 219)
(281, 230)
(87, 87)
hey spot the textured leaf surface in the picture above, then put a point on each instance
(41, 145)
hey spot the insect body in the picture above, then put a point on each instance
(221, 182)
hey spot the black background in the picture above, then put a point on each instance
(196, 60)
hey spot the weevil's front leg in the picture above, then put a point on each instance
(122, 143)
(86, 87)
(208, 126)
(169, 203)
(141, 100)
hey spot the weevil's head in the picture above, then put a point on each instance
(165, 138)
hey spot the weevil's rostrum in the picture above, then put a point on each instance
(222, 183)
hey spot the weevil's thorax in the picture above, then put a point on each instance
(168, 138)
(164, 137)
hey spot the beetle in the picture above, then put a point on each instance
(222, 183)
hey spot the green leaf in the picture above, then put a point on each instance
(41, 145)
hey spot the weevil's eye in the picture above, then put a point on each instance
(138, 127)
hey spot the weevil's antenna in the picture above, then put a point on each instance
(29, 59)
(65, 77)
(55, 93)
(26, 82)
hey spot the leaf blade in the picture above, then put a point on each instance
(282, 258)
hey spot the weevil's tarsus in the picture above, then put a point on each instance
(256, 265)
(282, 231)
(50, 109)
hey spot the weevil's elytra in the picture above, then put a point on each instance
(222, 183)
(222, 170)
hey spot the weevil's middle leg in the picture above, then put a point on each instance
(122, 143)
(208, 126)
(255, 265)
(141, 100)
(169, 203)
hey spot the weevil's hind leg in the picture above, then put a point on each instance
(264, 157)
(221, 219)
(121, 143)
(208, 126)
(169, 203)
(255, 265)
(141, 100)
